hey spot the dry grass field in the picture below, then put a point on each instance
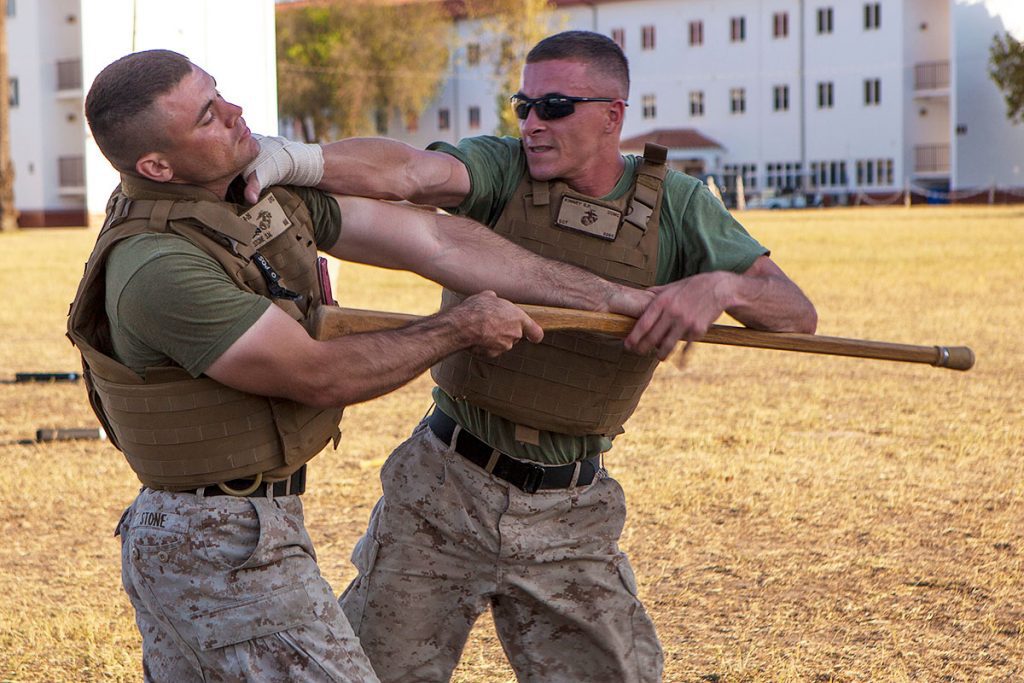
(792, 517)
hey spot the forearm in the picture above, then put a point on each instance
(472, 257)
(767, 301)
(468, 257)
(360, 367)
(388, 169)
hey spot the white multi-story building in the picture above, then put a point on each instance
(55, 49)
(841, 98)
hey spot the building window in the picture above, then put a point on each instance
(782, 176)
(780, 98)
(11, 8)
(738, 29)
(12, 91)
(380, 118)
(69, 74)
(696, 103)
(885, 171)
(474, 117)
(961, 129)
(473, 54)
(826, 95)
(872, 16)
(619, 36)
(444, 119)
(737, 100)
(828, 174)
(731, 172)
(696, 33)
(874, 172)
(872, 91)
(780, 25)
(71, 171)
(647, 37)
(650, 106)
(824, 20)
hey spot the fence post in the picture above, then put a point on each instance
(906, 192)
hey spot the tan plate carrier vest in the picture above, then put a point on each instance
(571, 383)
(180, 432)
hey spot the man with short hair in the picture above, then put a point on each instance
(499, 499)
(194, 321)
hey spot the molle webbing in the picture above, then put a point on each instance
(218, 231)
(179, 432)
(571, 383)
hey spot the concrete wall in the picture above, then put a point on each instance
(991, 150)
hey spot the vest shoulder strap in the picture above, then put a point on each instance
(649, 178)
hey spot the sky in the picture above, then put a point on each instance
(1011, 11)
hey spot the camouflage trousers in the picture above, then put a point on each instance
(228, 589)
(447, 540)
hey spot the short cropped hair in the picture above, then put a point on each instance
(591, 48)
(119, 106)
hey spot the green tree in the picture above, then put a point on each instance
(1006, 67)
(8, 214)
(509, 29)
(344, 65)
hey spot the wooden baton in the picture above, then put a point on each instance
(335, 321)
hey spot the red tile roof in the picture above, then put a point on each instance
(673, 138)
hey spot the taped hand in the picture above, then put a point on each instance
(282, 162)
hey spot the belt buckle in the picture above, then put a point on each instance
(534, 477)
(241, 493)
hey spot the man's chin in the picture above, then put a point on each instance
(541, 171)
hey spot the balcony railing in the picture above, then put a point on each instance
(931, 159)
(931, 75)
(71, 172)
(69, 74)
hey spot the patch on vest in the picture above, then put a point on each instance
(593, 219)
(268, 218)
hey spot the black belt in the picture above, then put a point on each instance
(528, 476)
(292, 486)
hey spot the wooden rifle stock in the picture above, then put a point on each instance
(334, 321)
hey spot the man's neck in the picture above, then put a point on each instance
(601, 179)
(219, 188)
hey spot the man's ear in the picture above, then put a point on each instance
(616, 115)
(155, 167)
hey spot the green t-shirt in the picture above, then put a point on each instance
(171, 303)
(696, 235)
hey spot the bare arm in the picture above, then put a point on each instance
(389, 169)
(468, 257)
(276, 357)
(762, 297)
(366, 167)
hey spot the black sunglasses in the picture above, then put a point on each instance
(553, 106)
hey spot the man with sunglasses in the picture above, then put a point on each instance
(500, 498)
(194, 318)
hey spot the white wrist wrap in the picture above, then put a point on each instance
(285, 162)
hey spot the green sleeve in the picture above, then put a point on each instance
(325, 214)
(170, 302)
(495, 165)
(698, 234)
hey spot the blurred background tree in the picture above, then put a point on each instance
(509, 29)
(1006, 67)
(8, 214)
(348, 67)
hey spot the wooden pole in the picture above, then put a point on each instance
(333, 321)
